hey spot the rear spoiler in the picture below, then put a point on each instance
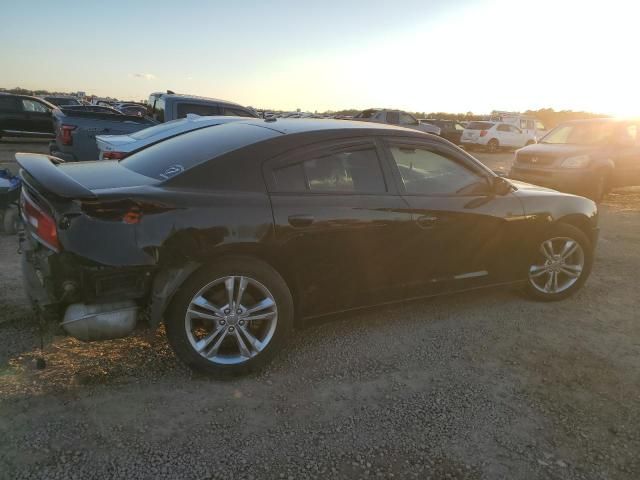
(43, 169)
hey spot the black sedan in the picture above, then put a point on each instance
(233, 234)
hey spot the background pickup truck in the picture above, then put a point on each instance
(76, 128)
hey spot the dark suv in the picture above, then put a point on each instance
(449, 129)
(229, 233)
(25, 116)
(586, 157)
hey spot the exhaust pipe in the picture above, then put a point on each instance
(102, 321)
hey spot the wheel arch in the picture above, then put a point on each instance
(170, 279)
(579, 221)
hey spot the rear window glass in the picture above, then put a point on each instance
(170, 158)
(8, 104)
(236, 112)
(480, 125)
(198, 109)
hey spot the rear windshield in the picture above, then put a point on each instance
(480, 125)
(171, 157)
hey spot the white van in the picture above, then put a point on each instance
(529, 125)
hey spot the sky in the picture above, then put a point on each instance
(426, 56)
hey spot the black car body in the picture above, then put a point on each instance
(25, 116)
(449, 129)
(586, 157)
(336, 209)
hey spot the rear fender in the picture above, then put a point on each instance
(165, 284)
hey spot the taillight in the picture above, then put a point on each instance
(113, 155)
(483, 132)
(44, 225)
(66, 130)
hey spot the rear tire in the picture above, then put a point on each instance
(563, 252)
(11, 221)
(493, 145)
(224, 338)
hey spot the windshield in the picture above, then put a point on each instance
(587, 133)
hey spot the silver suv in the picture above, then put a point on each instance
(171, 106)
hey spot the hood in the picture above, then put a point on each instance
(528, 188)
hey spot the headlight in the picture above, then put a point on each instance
(580, 161)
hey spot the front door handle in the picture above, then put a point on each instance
(427, 221)
(301, 220)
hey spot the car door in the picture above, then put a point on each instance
(518, 137)
(504, 135)
(626, 156)
(12, 118)
(463, 234)
(37, 116)
(340, 222)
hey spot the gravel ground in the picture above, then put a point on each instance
(481, 385)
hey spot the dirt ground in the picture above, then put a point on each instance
(481, 385)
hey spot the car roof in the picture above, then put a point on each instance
(307, 125)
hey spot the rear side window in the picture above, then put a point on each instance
(351, 171)
(503, 128)
(480, 125)
(198, 109)
(8, 104)
(235, 112)
(156, 105)
(393, 117)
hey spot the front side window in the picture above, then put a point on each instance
(198, 109)
(352, 171)
(29, 105)
(458, 127)
(426, 172)
(515, 129)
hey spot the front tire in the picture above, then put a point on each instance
(231, 318)
(560, 263)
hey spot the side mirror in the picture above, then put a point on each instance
(501, 186)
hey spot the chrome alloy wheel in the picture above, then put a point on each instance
(231, 320)
(559, 265)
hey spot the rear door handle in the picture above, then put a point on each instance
(427, 221)
(301, 220)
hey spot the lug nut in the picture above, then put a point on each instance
(227, 311)
(238, 311)
(231, 329)
(241, 322)
(222, 322)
